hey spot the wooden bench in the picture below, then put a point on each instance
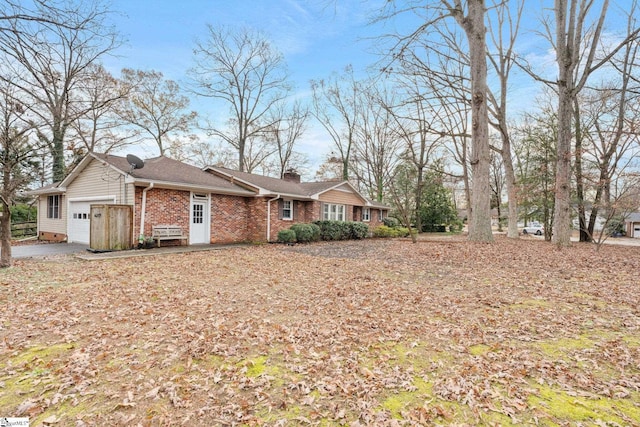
(167, 232)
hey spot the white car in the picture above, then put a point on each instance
(534, 228)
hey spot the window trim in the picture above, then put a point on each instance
(334, 212)
(366, 214)
(380, 214)
(289, 209)
(54, 209)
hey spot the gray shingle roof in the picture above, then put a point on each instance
(164, 169)
(276, 185)
(633, 217)
(280, 186)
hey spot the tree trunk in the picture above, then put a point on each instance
(5, 236)
(585, 234)
(419, 188)
(562, 208)
(57, 155)
(512, 193)
(480, 223)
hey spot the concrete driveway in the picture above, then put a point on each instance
(46, 249)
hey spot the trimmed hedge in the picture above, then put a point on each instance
(359, 230)
(324, 230)
(306, 233)
(384, 231)
(287, 236)
(342, 230)
(333, 230)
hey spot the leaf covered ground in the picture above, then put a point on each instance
(375, 332)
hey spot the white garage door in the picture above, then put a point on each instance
(79, 222)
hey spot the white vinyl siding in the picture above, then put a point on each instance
(51, 225)
(98, 179)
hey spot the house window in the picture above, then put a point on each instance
(380, 215)
(333, 212)
(287, 209)
(53, 206)
(198, 213)
(366, 214)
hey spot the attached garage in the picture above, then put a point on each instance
(633, 225)
(79, 218)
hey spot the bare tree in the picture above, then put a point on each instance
(242, 69)
(414, 123)
(331, 169)
(16, 160)
(101, 129)
(497, 185)
(47, 58)
(469, 16)
(287, 127)
(156, 106)
(203, 153)
(378, 146)
(503, 32)
(579, 54)
(336, 107)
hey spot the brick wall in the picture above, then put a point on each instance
(164, 207)
(229, 219)
(233, 218)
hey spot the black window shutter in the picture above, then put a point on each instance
(280, 208)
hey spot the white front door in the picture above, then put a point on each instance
(199, 219)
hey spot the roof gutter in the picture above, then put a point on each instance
(269, 216)
(143, 209)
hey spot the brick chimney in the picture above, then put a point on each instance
(292, 176)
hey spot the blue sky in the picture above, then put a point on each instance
(314, 39)
(317, 37)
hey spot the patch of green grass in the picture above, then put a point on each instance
(33, 374)
(479, 349)
(400, 401)
(531, 303)
(561, 407)
(35, 353)
(561, 347)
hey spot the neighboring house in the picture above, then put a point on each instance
(211, 205)
(632, 222)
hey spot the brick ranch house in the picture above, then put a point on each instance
(211, 205)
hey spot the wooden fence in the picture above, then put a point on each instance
(21, 230)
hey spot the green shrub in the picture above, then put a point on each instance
(286, 236)
(359, 230)
(391, 222)
(402, 232)
(306, 232)
(23, 213)
(384, 231)
(456, 226)
(332, 230)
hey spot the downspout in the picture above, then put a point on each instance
(269, 217)
(143, 209)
